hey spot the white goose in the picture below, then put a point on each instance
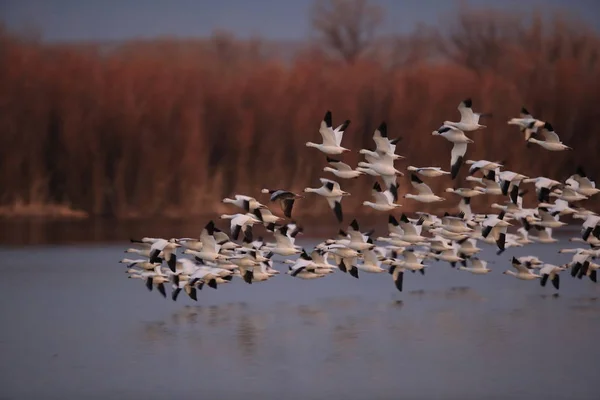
(430, 172)
(424, 192)
(478, 267)
(332, 138)
(342, 170)
(526, 123)
(551, 140)
(522, 273)
(240, 222)
(482, 165)
(370, 263)
(469, 120)
(383, 143)
(333, 194)
(550, 273)
(247, 203)
(284, 244)
(582, 184)
(384, 201)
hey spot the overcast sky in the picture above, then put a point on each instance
(276, 19)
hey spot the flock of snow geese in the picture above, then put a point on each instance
(215, 258)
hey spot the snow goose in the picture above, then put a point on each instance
(582, 184)
(469, 121)
(383, 165)
(320, 263)
(265, 216)
(358, 241)
(332, 138)
(284, 197)
(478, 267)
(454, 224)
(530, 261)
(551, 140)
(495, 226)
(240, 222)
(437, 244)
(383, 143)
(430, 172)
(490, 182)
(410, 232)
(452, 134)
(333, 194)
(342, 170)
(590, 223)
(559, 207)
(568, 194)
(548, 220)
(140, 263)
(450, 256)
(370, 263)
(397, 273)
(244, 202)
(526, 123)
(425, 194)
(543, 187)
(384, 201)
(508, 181)
(466, 192)
(284, 244)
(550, 272)
(167, 248)
(523, 272)
(467, 247)
(482, 165)
(411, 261)
(523, 236)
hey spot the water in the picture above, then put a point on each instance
(73, 326)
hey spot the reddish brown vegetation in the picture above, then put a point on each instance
(169, 127)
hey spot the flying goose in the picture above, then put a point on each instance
(167, 248)
(550, 272)
(333, 194)
(140, 263)
(383, 143)
(342, 170)
(551, 140)
(478, 267)
(265, 216)
(430, 172)
(284, 244)
(424, 192)
(469, 120)
(489, 181)
(526, 123)
(332, 138)
(482, 165)
(285, 198)
(240, 222)
(466, 192)
(370, 263)
(582, 184)
(384, 201)
(523, 272)
(247, 203)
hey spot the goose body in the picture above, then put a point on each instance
(469, 121)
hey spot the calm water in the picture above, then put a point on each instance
(73, 326)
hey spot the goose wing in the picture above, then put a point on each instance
(466, 112)
(519, 266)
(456, 156)
(326, 131)
(339, 165)
(419, 185)
(325, 181)
(549, 135)
(381, 139)
(339, 132)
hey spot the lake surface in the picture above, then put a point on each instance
(73, 326)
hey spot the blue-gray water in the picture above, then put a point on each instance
(73, 326)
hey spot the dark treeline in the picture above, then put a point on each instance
(169, 127)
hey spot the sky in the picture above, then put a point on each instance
(107, 20)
